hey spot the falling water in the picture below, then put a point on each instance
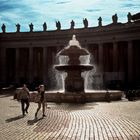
(60, 76)
(63, 59)
(88, 75)
(85, 59)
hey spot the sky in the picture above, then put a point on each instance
(39, 11)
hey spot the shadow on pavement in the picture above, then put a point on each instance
(5, 95)
(14, 119)
(31, 122)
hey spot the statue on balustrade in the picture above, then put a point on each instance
(3, 27)
(85, 22)
(129, 17)
(58, 25)
(31, 27)
(18, 27)
(44, 26)
(100, 21)
(115, 19)
(72, 24)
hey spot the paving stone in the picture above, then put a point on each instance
(91, 121)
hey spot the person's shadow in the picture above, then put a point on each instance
(35, 120)
(14, 119)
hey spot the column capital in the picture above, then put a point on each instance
(130, 43)
(100, 44)
(115, 42)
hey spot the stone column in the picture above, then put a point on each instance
(115, 55)
(115, 61)
(31, 71)
(100, 57)
(3, 65)
(101, 64)
(44, 65)
(17, 66)
(130, 61)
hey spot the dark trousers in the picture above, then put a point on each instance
(23, 102)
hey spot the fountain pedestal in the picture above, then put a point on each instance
(74, 82)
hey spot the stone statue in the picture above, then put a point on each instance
(99, 21)
(58, 25)
(74, 41)
(74, 37)
(44, 26)
(18, 27)
(85, 22)
(72, 24)
(3, 27)
(115, 19)
(136, 17)
(31, 27)
(129, 17)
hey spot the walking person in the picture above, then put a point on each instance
(41, 100)
(24, 98)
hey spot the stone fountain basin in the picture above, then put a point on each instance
(74, 97)
(80, 67)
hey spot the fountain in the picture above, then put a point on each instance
(74, 82)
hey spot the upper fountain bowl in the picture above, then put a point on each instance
(73, 48)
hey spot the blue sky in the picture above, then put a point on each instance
(49, 11)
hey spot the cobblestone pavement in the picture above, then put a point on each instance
(92, 121)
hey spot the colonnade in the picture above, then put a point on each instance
(39, 67)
